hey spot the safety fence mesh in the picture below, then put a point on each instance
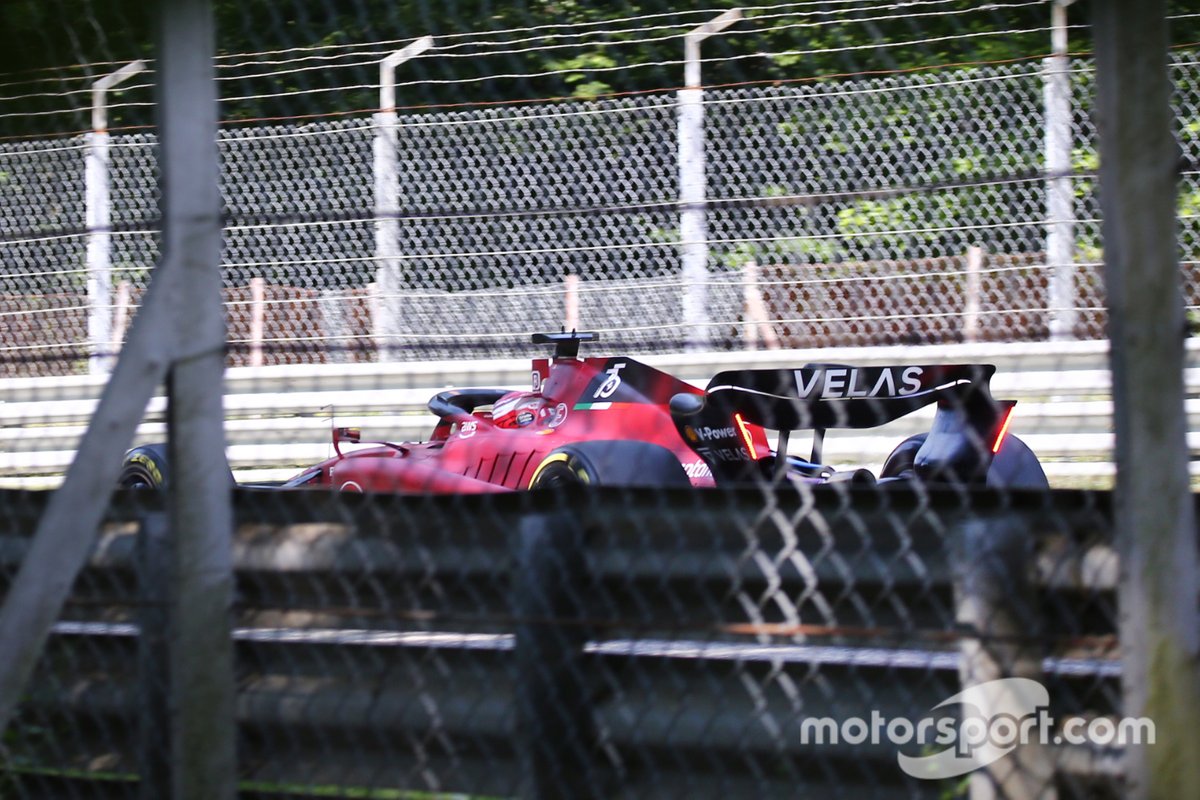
(819, 512)
(612, 644)
(910, 208)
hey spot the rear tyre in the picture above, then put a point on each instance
(1014, 467)
(900, 463)
(609, 463)
(145, 467)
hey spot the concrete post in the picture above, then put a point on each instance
(571, 302)
(332, 305)
(973, 304)
(258, 320)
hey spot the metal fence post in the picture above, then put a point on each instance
(555, 730)
(385, 322)
(68, 525)
(98, 212)
(153, 566)
(1154, 514)
(693, 229)
(203, 731)
(1060, 197)
(996, 606)
(693, 226)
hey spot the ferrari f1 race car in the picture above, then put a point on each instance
(617, 422)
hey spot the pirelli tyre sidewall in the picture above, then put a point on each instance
(609, 463)
(900, 462)
(145, 467)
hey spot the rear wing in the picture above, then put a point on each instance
(819, 397)
(823, 396)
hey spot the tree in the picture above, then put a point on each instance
(49, 46)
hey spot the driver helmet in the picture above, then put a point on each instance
(516, 410)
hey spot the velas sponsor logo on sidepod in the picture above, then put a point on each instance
(995, 718)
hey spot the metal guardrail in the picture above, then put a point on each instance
(647, 643)
(279, 418)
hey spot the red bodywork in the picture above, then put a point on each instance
(500, 448)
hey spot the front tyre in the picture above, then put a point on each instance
(609, 463)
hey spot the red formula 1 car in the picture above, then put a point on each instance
(618, 422)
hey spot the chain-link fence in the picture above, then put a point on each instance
(804, 521)
(639, 645)
(911, 208)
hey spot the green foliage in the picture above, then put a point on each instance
(36, 34)
(583, 87)
(884, 220)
